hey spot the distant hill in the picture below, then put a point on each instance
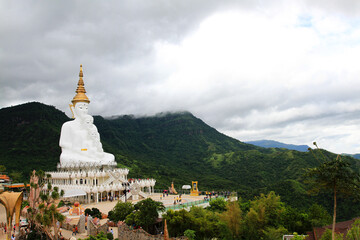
(170, 147)
(357, 155)
(275, 144)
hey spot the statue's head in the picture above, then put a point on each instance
(89, 120)
(95, 134)
(80, 102)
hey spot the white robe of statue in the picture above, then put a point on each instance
(80, 140)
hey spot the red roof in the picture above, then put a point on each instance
(340, 227)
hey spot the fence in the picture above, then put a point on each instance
(186, 205)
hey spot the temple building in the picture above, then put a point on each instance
(85, 171)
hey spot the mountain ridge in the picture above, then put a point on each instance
(177, 148)
(276, 144)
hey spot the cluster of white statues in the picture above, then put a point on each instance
(80, 139)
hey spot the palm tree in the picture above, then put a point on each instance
(336, 176)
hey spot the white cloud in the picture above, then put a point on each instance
(270, 72)
(253, 69)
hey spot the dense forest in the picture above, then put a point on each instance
(170, 147)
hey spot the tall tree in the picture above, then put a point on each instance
(43, 213)
(145, 214)
(120, 211)
(233, 218)
(333, 175)
(265, 212)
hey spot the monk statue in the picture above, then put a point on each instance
(79, 138)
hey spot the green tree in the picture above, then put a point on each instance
(2, 168)
(265, 211)
(295, 220)
(100, 236)
(146, 213)
(120, 211)
(233, 218)
(94, 212)
(318, 216)
(207, 224)
(336, 176)
(354, 231)
(178, 222)
(217, 204)
(190, 234)
(16, 176)
(272, 233)
(328, 235)
(299, 237)
(43, 214)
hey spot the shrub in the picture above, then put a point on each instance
(61, 203)
(94, 212)
(109, 236)
(190, 234)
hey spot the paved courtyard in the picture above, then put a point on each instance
(106, 206)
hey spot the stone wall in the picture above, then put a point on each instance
(81, 224)
(139, 234)
(94, 230)
(69, 226)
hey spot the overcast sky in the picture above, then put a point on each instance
(281, 70)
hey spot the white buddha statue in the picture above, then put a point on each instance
(79, 138)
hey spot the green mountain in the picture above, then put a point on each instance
(169, 147)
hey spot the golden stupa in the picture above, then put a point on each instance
(80, 91)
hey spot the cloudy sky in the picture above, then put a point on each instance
(281, 70)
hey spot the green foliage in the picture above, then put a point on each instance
(264, 217)
(61, 204)
(120, 211)
(299, 237)
(178, 221)
(24, 204)
(265, 212)
(145, 214)
(100, 236)
(206, 223)
(217, 204)
(16, 176)
(318, 216)
(233, 219)
(354, 231)
(36, 235)
(272, 233)
(45, 215)
(190, 234)
(327, 235)
(109, 236)
(167, 147)
(94, 212)
(336, 176)
(295, 220)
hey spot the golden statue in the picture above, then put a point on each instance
(194, 189)
(172, 189)
(12, 203)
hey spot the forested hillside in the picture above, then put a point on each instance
(169, 147)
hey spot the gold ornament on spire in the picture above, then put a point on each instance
(80, 91)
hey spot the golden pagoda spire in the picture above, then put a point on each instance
(80, 91)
